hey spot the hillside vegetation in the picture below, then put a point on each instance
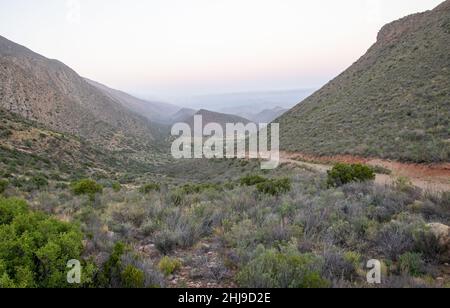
(50, 93)
(393, 103)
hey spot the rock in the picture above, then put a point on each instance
(205, 247)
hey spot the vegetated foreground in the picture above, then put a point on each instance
(232, 225)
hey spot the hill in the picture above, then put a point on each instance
(268, 115)
(394, 102)
(154, 111)
(50, 93)
(29, 148)
(183, 115)
(216, 117)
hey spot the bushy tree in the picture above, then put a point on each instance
(34, 248)
(342, 174)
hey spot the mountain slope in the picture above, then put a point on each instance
(183, 115)
(50, 93)
(27, 147)
(154, 111)
(268, 115)
(394, 102)
(216, 117)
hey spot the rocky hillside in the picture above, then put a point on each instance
(27, 147)
(50, 93)
(393, 103)
(154, 111)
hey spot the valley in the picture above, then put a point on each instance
(87, 174)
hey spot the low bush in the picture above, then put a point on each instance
(123, 269)
(412, 264)
(3, 185)
(116, 187)
(275, 187)
(342, 174)
(168, 265)
(150, 187)
(132, 278)
(251, 180)
(86, 187)
(39, 181)
(286, 269)
(166, 241)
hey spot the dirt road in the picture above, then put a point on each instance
(431, 177)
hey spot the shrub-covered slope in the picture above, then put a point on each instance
(392, 103)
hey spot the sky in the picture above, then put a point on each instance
(176, 48)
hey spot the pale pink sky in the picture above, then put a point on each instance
(167, 48)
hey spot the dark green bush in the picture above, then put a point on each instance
(342, 174)
(287, 269)
(35, 249)
(275, 187)
(251, 180)
(116, 186)
(148, 188)
(86, 187)
(3, 185)
(411, 264)
(39, 181)
(124, 270)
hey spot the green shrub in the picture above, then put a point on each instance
(116, 186)
(35, 249)
(342, 174)
(168, 265)
(39, 181)
(251, 180)
(286, 269)
(412, 264)
(403, 183)
(275, 187)
(166, 241)
(110, 274)
(148, 188)
(3, 185)
(86, 187)
(132, 278)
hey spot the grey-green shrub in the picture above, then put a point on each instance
(287, 269)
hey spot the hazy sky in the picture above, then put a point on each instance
(184, 47)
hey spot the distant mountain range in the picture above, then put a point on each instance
(247, 102)
(265, 116)
(393, 103)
